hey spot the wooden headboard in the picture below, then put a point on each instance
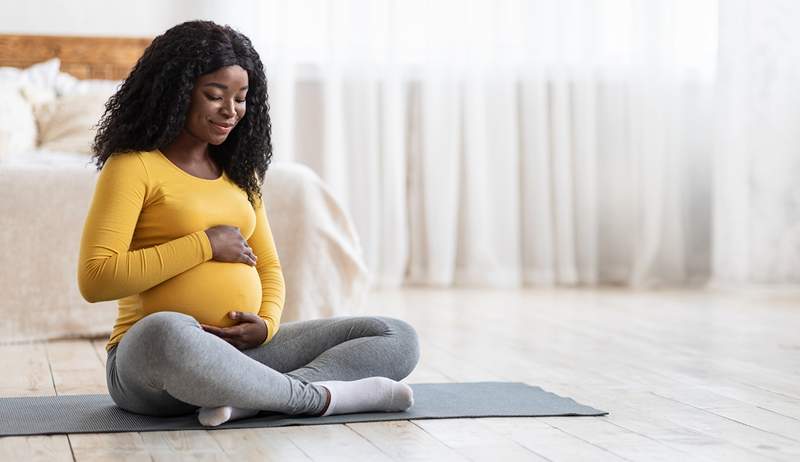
(83, 57)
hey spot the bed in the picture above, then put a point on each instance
(47, 183)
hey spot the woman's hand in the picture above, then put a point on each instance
(249, 333)
(228, 245)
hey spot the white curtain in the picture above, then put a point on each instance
(520, 142)
(757, 167)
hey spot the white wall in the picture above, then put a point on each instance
(131, 18)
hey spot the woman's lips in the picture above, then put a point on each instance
(222, 128)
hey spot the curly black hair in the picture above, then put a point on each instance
(149, 109)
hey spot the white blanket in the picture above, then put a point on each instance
(43, 205)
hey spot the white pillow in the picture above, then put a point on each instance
(66, 84)
(19, 90)
(37, 95)
(42, 74)
(68, 123)
(17, 123)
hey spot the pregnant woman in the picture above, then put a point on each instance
(178, 232)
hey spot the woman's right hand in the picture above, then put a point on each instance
(228, 245)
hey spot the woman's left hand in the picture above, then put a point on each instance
(250, 332)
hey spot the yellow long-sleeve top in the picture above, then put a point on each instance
(144, 243)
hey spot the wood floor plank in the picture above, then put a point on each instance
(39, 448)
(31, 370)
(99, 346)
(736, 410)
(76, 367)
(172, 445)
(753, 439)
(259, 444)
(619, 440)
(127, 446)
(629, 413)
(765, 399)
(402, 440)
(29, 375)
(549, 441)
(476, 442)
(334, 443)
(185, 445)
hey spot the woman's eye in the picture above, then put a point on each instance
(219, 98)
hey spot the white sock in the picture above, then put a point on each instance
(213, 416)
(368, 395)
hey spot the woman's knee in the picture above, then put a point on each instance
(158, 334)
(164, 322)
(407, 346)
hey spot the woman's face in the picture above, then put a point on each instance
(218, 104)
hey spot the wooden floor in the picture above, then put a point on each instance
(685, 376)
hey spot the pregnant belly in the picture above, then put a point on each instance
(207, 292)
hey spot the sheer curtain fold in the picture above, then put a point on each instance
(536, 208)
(537, 142)
(757, 161)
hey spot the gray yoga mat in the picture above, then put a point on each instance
(40, 415)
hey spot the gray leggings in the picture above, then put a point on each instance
(167, 365)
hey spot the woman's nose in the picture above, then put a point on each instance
(228, 108)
